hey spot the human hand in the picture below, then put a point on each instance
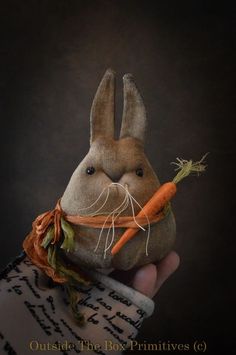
(149, 278)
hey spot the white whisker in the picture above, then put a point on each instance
(100, 234)
(148, 236)
(128, 199)
(113, 220)
(110, 214)
(133, 212)
(99, 209)
(86, 208)
(112, 224)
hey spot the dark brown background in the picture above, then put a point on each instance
(182, 55)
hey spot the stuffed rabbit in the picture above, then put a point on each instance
(114, 182)
(111, 170)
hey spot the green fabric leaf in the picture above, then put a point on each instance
(69, 242)
(48, 237)
(71, 274)
(73, 299)
(52, 257)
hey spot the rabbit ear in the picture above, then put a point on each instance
(134, 113)
(102, 111)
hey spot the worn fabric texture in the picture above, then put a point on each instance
(116, 161)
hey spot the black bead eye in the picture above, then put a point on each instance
(139, 172)
(90, 170)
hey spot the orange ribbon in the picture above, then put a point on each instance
(33, 241)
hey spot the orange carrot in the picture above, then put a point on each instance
(154, 205)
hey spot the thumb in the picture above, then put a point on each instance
(149, 278)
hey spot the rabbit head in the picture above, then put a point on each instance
(115, 177)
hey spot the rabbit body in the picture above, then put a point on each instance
(90, 189)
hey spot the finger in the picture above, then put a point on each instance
(145, 279)
(166, 268)
(150, 278)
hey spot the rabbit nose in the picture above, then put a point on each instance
(115, 177)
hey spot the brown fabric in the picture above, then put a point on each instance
(115, 160)
(38, 255)
(103, 104)
(134, 112)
